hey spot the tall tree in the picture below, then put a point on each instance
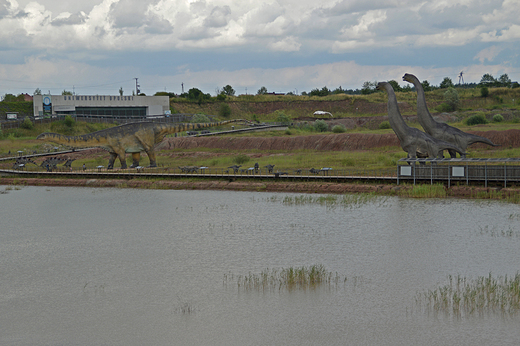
(504, 80)
(488, 80)
(262, 91)
(228, 90)
(446, 83)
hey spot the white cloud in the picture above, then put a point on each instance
(488, 54)
(288, 44)
(295, 36)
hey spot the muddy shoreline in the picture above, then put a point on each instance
(292, 187)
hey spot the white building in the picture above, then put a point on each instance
(107, 105)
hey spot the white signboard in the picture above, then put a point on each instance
(406, 170)
(457, 171)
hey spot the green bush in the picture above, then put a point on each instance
(476, 120)
(224, 110)
(451, 97)
(200, 118)
(69, 121)
(384, 125)
(282, 118)
(240, 159)
(497, 118)
(27, 124)
(321, 126)
(484, 92)
(443, 107)
(338, 129)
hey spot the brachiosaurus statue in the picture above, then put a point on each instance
(439, 130)
(128, 138)
(412, 140)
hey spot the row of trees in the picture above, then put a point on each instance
(195, 94)
(487, 80)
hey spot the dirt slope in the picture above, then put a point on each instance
(330, 142)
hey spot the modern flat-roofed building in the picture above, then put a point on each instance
(107, 105)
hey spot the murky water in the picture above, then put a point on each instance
(90, 266)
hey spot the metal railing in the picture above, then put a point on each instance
(460, 170)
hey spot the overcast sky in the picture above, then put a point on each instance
(97, 46)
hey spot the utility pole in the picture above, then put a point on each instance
(137, 86)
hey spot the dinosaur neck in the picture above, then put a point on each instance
(425, 118)
(394, 116)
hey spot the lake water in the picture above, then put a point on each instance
(92, 266)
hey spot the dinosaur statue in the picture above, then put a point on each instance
(413, 140)
(235, 168)
(52, 162)
(128, 138)
(439, 130)
(269, 168)
(21, 162)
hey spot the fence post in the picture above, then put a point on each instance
(485, 174)
(505, 174)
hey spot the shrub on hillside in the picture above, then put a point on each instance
(497, 118)
(320, 126)
(476, 120)
(384, 125)
(484, 92)
(338, 129)
(69, 121)
(200, 118)
(282, 118)
(451, 98)
(27, 124)
(240, 159)
(224, 110)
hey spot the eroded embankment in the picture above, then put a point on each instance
(329, 142)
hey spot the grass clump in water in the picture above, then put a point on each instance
(331, 201)
(464, 297)
(291, 278)
(424, 191)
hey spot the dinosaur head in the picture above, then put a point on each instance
(410, 78)
(381, 86)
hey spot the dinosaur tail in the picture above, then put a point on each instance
(83, 141)
(479, 139)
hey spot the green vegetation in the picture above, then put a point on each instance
(476, 119)
(200, 118)
(338, 129)
(290, 279)
(27, 124)
(224, 110)
(240, 159)
(424, 191)
(498, 118)
(463, 296)
(331, 201)
(321, 126)
(384, 125)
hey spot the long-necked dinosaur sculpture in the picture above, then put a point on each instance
(411, 139)
(129, 138)
(439, 130)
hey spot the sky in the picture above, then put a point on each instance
(96, 47)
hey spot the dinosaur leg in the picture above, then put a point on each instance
(135, 159)
(453, 153)
(151, 156)
(113, 157)
(122, 159)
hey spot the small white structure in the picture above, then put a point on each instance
(323, 113)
